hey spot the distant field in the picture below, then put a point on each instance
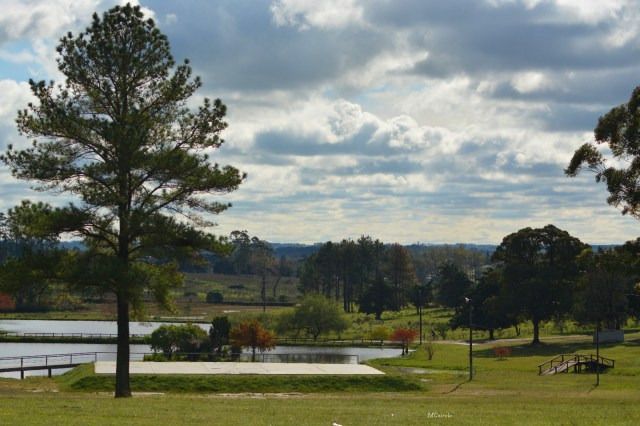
(242, 288)
(503, 392)
(185, 311)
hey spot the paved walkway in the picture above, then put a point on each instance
(109, 367)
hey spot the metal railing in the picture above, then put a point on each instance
(313, 358)
(70, 360)
(69, 335)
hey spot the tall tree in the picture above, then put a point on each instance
(606, 282)
(402, 274)
(118, 135)
(620, 129)
(491, 310)
(540, 269)
(451, 285)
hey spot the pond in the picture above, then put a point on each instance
(324, 354)
(311, 354)
(27, 349)
(86, 327)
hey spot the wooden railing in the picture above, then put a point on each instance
(562, 362)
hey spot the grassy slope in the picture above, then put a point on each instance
(83, 379)
(503, 392)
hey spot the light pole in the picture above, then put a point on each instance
(598, 353)
(420, 311)
(466, 299)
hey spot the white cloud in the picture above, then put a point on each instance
(33, 19)
(15, 95)
(324, 14)
(343, 133)
(531, 81)
(170, 18)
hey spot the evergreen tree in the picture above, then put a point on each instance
(117, 134)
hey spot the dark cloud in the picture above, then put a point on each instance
(473, 36)
(236, 46)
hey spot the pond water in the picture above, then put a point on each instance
(87, 327)
(27, 349)
(278, 354)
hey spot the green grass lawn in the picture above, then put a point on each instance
(503, 392)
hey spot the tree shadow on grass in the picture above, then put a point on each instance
(546, 349)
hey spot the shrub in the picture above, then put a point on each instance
(169, 339)
(430, 349)
(253, 335)
(502, 352)
(380, 333)
(442, 329)
(404, 336)
(219, 333)
(214, 297)
(316, 315)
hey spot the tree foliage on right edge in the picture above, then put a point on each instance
(620, 129)
(606, 294)
(539, 268)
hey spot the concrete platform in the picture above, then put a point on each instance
(148, 367)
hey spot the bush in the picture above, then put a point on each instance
(252, 334)
(380, 333)
(316, 315)
(219, 334)
(442, 329)
(430, 349)
(502, 352)
(214, 297)
(404, 336)
(170, 339)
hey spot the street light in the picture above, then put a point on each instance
(420, 290)
(598, 353)
(468, 301)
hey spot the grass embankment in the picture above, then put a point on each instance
(502, 392)
(83, 379)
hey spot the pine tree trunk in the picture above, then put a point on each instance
(123, 389)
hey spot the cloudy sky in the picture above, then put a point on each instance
(409, 120)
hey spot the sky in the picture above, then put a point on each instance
(413, 121)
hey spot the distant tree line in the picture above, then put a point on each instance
(534, 275)
(372, 277)
(546, 274)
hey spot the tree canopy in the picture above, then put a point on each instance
(315, 315)
(118, 135)
(620, 130)
(253, 335)
(539, 269)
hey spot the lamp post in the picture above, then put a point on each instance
(466, 299)
(420, 310)
(598, 353)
